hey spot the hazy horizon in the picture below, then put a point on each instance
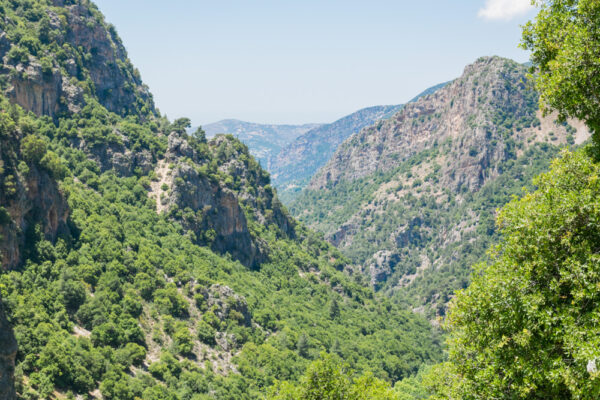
(308, 62)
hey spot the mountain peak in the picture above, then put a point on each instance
(420, 188)
(464, 105)
(67, 56)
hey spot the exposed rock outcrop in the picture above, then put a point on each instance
(28, 198)
(382, 266)
(224, 301)
(117, 156)
(93, 57)
(117, 84)
(253, 185)
(470, 114)
(215, 215)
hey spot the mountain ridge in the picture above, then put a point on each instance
(300, 159)
(404, 197)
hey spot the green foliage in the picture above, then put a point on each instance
(184, 343)
(180, 125)
(334, 309)
(329, 379)
(206, 333)
(199, 135)
(563, 39)
(302, 346)
(33, 149)
(526, 326)
(4, 216)
(128, 281)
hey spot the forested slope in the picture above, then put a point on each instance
(141, 262)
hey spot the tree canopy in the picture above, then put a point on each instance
(527, 326)
(564, 40)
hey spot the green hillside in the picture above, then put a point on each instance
(140, 262)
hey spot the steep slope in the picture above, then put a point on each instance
(154, 264)
(264, 141)
(412, 199)
(29, 195)
(293, 166)
(429, 91)
(55, 54)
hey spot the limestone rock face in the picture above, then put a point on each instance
(29, 199)
(117, 156)
(8, 352)
(58, 88)
(382, 266)
(253, 187)
(216, 216)
(38, 200)
(224, 301)
(461, 114)
(209, 197)
(116, 86)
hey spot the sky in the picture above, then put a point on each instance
(301, 61)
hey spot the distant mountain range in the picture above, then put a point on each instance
(297, 162)
(294, 153)
(264, 141)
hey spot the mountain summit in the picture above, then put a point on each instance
(411, 199)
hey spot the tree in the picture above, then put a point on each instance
(184, 343)
(302, 345)
(334, 309)
(527, 326)
(200, 135)
(33, 148)
(564, 40)
(206, 333)
(181, 124)
(329, 379)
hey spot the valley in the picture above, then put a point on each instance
(445, 248)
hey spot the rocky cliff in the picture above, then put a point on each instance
(31, 203)
(76, 54)
(412, 198)
(481, 115)
(209, 201)
(216, 216)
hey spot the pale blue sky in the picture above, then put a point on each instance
(305, 60)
